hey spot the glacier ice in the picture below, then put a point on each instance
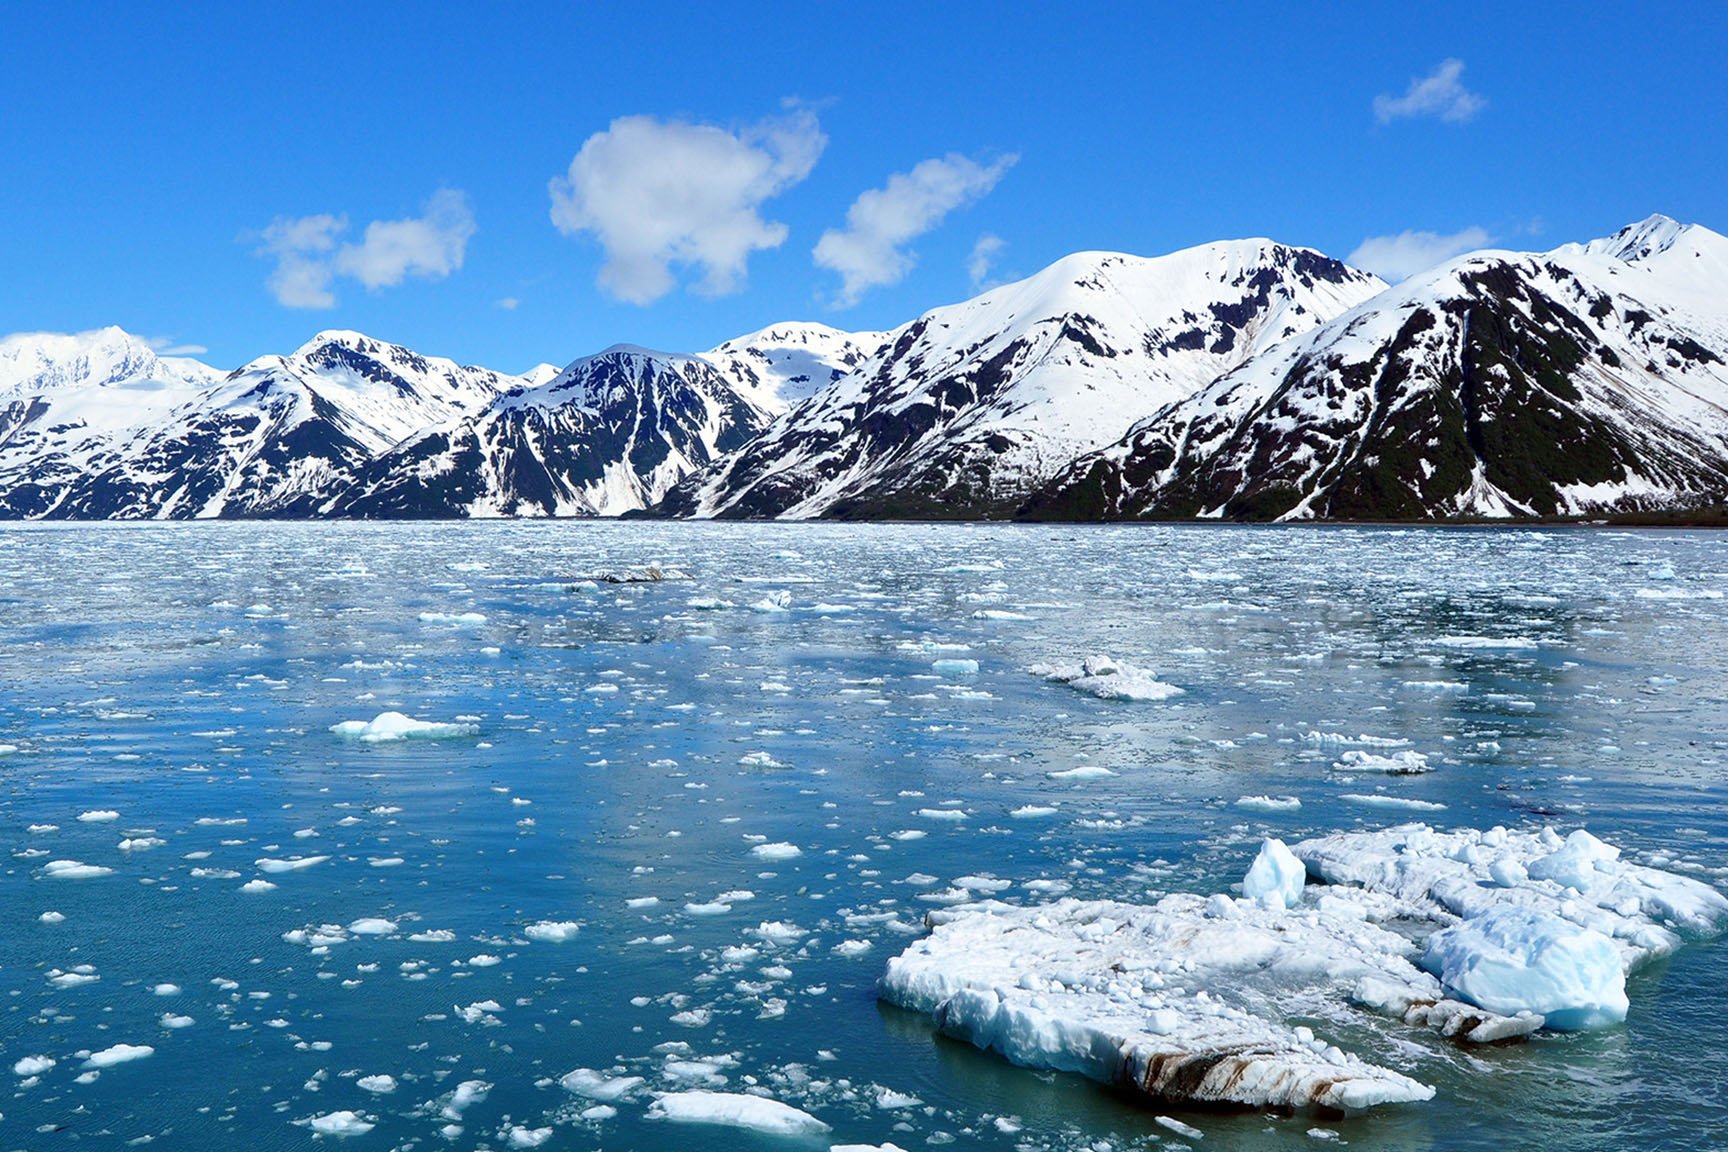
(1276, 877)
(1482, 936)
(1511, 960)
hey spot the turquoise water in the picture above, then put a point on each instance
(635, 741)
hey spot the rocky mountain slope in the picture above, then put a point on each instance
(1592, 379)
(971, 407)
(611, 433)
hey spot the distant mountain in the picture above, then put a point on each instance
(70, 403)
(971, 407)
(609, 434)
(1589, 380)
(1242, 379)
(781, 365)
(276, 437)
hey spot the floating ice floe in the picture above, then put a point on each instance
(33, 1066)
(1406, 763)
(1482, 936)
(648, 574)
(343, 1123)
(1269, 803)
(736, 1110)
(74, 870)
(118, 1054)
(1107, 679)
(597, 1085)
(552, 931)
(396, 726)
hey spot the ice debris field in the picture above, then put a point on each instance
(621, 835)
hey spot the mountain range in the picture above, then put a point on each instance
(1242, 380)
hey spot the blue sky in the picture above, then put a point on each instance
(237, 177)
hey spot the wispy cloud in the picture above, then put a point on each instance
(1407, 253)
(309, 256)
(1440, 93)
(510, 303)
(870, 251)
(659, 193)
(166, 346)
(982, 260)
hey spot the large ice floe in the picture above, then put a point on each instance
(1107, 679)
(1482, 936)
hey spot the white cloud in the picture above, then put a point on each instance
(308, 257)
(869, 252)
(510, 303)
(1440, 93)
(302, 250)
(165, 346)
(430, 246)
(1397, 257)
(661, 193)
(983, 258)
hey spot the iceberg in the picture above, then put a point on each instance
(1482, 936)
(1276, 877)
(1520, 960)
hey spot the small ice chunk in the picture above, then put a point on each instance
(776, 851)
(74, 870)
(343, 1123)
(33, 1066)
(552, 931)
(467, 1093)
(737, 1111)
(1276, 876)
(1178, 1127)
(524, 1137)
(1269, 803)
(118, 1054)
(599, 1086)
(1406, 763)
(291, 864)
(378, 1085)
(1511, 960)
(98, 816)
(373, 926)
(388, 726)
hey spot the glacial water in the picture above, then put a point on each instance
(741, 804)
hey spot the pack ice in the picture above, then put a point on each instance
(1481, 935)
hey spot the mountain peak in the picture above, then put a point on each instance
(1645, 238)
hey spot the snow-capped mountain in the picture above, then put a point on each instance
(69, 401)
(783, 364)
(279, 435)
(1588, 380)
(609, 434)
(967, 410)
